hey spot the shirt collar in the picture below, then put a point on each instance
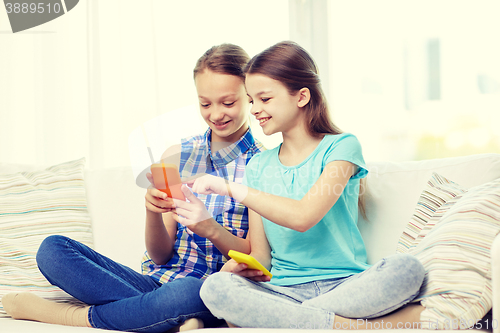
(226, 155)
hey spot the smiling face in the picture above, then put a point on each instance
(273, 106)
(223, 105)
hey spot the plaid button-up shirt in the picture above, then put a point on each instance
(194, 255)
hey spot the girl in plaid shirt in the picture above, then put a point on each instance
(179, 255)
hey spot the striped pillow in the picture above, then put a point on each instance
(34, 205)
(457, 290)
(438, 191)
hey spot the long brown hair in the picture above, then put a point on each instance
(288, 63)
(225, 59)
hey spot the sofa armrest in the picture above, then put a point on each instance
(495, 282)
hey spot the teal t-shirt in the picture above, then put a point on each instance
(333, 248)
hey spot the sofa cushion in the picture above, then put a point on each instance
(34, 205)
(455, 252)
(438, 191)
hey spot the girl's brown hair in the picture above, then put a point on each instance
(225, 59)
(290, 64)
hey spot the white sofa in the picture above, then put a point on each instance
(117, 210)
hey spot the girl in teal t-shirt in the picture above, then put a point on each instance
(303, 210)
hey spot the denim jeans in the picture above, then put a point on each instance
(121, 298)
(383, 288)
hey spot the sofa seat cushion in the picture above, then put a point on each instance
(34, 205)
(455, 251)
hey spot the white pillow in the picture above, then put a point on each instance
(34, 205)
(455, 252)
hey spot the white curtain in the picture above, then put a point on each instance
(80, 84)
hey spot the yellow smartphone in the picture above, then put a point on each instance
(168, 180)
(252, 263)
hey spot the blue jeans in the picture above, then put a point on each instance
(121, 298)
(383, 288)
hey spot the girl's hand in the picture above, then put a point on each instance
(209, 184)
(241, 269)
(156, 200)
(193, 214)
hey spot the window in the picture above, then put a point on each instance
(416, 79)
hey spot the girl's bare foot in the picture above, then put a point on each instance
(29, 306)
